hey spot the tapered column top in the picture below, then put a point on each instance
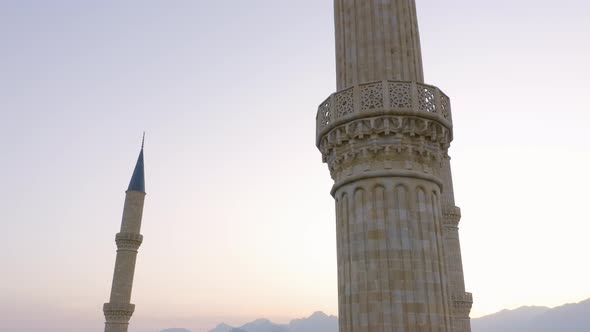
(376, 40)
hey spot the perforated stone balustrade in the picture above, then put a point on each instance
(380, 98)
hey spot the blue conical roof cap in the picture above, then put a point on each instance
(137, 182)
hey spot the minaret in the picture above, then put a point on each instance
(385, 136)
(119, 309)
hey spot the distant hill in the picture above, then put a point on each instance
(221, 328)
(317, 322)
(508, 320)
(262, 325)
(566, 318)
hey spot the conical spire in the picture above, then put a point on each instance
(137, 182)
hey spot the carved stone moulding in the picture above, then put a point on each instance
(383, 143)
(451, 217)
(462, 305)
(380, 98)
(128, 241)
(345, 180)
(119, 313)
(381, 128)
(361, 158)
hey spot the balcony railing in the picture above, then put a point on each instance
(382, 97)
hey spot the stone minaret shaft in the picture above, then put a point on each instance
(385, 137)
(376, 40)
(119, 309)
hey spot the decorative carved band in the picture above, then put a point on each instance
(389, 173)
(383, 143)
(128, 241)
(382, 97)
(462, 305)
(119, 313)
(382, 126)
(451, 217)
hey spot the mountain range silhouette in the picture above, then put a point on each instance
(573, 317)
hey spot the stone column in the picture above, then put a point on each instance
(385, 135)
(391, 263)
(376, 40)
(119, 309)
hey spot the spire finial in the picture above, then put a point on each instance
(143, 140)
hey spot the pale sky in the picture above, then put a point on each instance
(238, 222)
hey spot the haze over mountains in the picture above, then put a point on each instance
(566, 318)
(317, 322)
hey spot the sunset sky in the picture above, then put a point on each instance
(238, 221)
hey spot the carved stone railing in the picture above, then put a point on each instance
(128, 241)
(118, 313)
(383, 97)
(462, 305)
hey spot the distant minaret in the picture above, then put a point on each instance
(385, 136)
(119, 310)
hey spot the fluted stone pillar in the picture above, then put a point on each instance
(119, 309)
(385, 137)
(376, 40)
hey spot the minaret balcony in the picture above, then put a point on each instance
(383, 98)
